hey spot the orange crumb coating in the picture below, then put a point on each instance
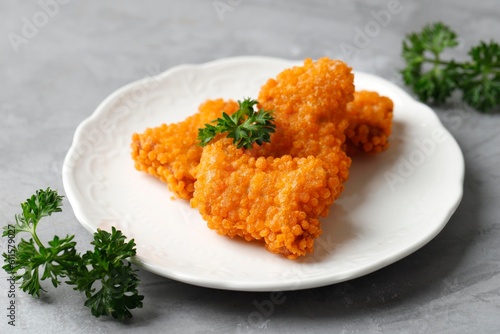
(275, 200)
(309, 104)
(370, 123)
(170, 152)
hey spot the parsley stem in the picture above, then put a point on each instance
(37, 240)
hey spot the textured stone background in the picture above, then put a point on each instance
(54, 79)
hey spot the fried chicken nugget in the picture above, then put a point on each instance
(370, 123)
(309, 104)
(277, 192)
(276, 200)
(170, 152)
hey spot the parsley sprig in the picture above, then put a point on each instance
(31, 261)
(106, 266)
(246, 126)
(434, 78)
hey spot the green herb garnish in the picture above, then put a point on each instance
(106, 266)
(246, 126)
(31, 261)
(434, 79)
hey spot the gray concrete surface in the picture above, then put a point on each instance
(60, 59)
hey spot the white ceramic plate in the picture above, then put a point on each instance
(393, 204)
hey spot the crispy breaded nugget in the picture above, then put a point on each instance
(277, 192)
(276, 200)
(309, 104)
(370, 123)
(170, 152)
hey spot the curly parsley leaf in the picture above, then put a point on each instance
(41, 204)
(481, 80)
(107, 279)
(424, 50)
(246, 126)
(32, 261)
